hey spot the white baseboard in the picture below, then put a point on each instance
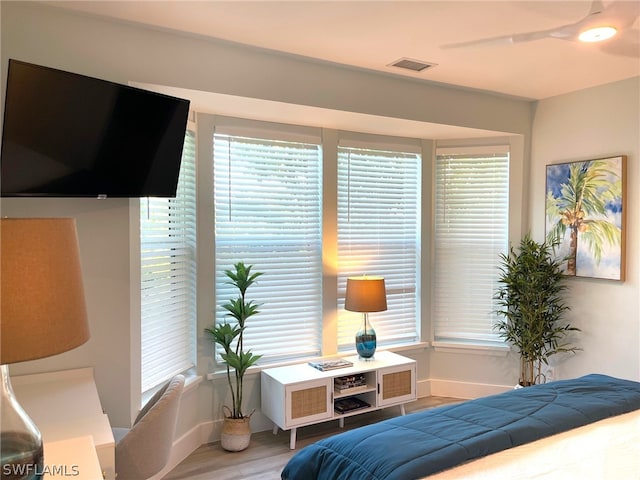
(181, 449)
(424, 388)
(465, 390)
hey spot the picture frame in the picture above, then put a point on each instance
(585, 213)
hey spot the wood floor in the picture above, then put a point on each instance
(268, 454)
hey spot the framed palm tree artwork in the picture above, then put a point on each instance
(585, 215)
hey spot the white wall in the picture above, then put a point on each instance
(595, 123)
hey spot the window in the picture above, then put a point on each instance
(309, 214)
(379, 234)
(471, 230)
(268, 212)
(168, 277)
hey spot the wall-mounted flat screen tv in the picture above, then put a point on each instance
(70, 135)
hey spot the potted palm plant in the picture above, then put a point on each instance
(531, 307)
(236, 430)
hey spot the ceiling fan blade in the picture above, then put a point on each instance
(625, 44)
(560, 32)
(503, 39)
(596, 7)
(621, 13)
(568, 31)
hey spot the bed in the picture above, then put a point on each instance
(584, 428)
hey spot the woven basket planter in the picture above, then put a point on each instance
(236, 434)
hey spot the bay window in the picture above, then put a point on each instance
(378, 235)
(471, 231)
(168, 277)
(268, 212)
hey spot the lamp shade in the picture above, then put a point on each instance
(43, 310)
(365, 294)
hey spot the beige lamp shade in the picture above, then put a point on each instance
(43, 310)
(365, 294)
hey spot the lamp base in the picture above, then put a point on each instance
(20, 441)
(366, 341)
(22, 458)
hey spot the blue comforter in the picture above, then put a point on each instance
(423, 443)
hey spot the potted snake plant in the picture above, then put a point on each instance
(236, 430)
(531, 306)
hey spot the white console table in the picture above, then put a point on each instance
(299, 395)
(65, 406)
(75, 458)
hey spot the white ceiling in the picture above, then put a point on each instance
(373, 34)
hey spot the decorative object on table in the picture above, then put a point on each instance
(365, 295)
(236, 429)
(324, 365)
(531, 287)
(585, 211)
(43, 313)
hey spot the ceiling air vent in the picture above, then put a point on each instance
(413, 65)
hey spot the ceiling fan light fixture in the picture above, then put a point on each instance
(597, 34)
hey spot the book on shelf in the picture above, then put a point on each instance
(351, 390)
(345, 405)
(324, 365)
(350, 381)
(350, 378)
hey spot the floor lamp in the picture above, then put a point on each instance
(42, 313)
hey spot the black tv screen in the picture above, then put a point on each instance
(69, 135)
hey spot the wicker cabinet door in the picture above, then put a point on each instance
(308, 402)
(397, 385)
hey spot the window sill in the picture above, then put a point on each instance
(192, 382)
(222, 374)
(406, 348)
(471, 348)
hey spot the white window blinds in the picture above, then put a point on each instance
(168, 277)
(268, 207)
(379, 234)
(471, 230)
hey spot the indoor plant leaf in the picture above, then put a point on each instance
(230, 335)
(531, 306)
